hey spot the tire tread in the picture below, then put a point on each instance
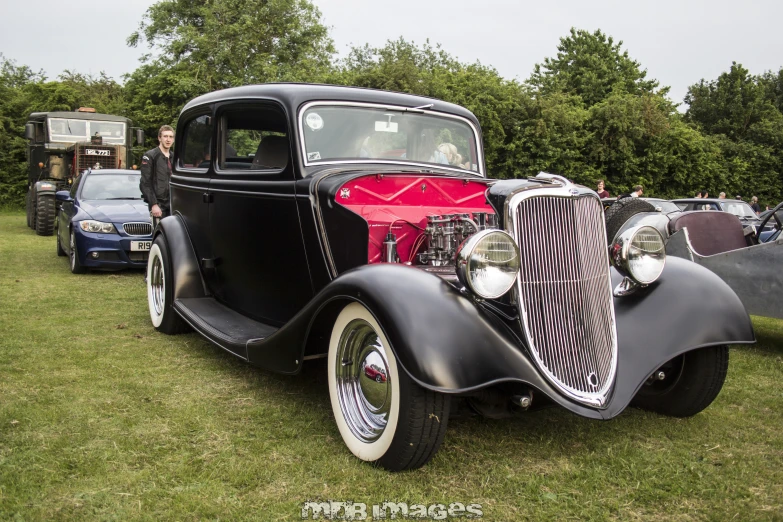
(621, 211)
(44, 215)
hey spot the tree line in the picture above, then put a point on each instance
(588, 112)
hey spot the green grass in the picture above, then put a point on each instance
(102, 418)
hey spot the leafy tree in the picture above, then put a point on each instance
(13, 174)
(730, 105)
(199, 47)
(429, 71)
(592, 66)
(742, 113)
(23, 91)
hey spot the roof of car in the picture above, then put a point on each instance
(293, 95)
(78, 116)
(711, 200)
(112, 171)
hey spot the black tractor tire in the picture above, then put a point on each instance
(692, 381)
(621, 211)
(44, 214)
(30, 209)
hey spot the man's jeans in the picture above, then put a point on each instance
(165, 212)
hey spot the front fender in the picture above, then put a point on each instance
(45, 188)
(441, 338)
(689, 307)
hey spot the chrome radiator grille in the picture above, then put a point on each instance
(137, 229)
(565, 293)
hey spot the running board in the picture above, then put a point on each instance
(226, 328)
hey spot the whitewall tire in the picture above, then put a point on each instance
(391, 422)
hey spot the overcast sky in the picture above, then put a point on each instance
(678, 42)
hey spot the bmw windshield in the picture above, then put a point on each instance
(111, 186)
(334, 133)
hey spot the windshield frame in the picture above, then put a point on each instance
(107, 140)
(397, 108)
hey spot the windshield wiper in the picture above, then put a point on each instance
(111, 199)
(419, 109)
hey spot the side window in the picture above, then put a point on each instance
(196, 144)
(254, 138)
(40, 136)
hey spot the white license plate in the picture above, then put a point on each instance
(97, 152)
(137, 246)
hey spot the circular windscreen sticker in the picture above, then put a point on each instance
(314, 121)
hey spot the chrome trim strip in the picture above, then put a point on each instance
(399, 108)
(584, 298)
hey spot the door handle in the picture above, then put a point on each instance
(207, 197)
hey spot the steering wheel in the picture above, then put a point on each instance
(778, 224)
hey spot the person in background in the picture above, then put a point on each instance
(722, 195)
(155, 175)
(739, 198)
(704, 194)
(754, 204)
(698, 195)
(602, 192)
(637, 191)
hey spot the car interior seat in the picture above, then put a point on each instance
(709, 232)
(272, 153)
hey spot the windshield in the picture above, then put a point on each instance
(739, 209)
(70, 130)
(111, 186)
(342, 133)
(664, 205)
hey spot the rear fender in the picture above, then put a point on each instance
(188, 281)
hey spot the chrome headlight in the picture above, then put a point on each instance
(639, 253)
(89, 225)
(488, 263)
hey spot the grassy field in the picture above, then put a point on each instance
(102, 418)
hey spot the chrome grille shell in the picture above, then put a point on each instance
(137, 228)
(564, 290)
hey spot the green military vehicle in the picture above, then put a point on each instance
(63, 144)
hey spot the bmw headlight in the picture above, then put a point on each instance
(89, 225)
(640, 254)
(488, 263)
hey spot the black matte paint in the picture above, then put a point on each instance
(443, 338)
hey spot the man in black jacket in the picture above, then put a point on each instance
(155, 175)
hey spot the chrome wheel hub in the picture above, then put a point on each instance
(363, 382)
(156, 287)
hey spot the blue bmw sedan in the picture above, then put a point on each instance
(102, 222)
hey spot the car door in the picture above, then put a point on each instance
(259, 256)
(191, 172)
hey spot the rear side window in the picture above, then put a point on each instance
(254, 138)
(196, 144)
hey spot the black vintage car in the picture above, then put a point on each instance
(315, 221)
